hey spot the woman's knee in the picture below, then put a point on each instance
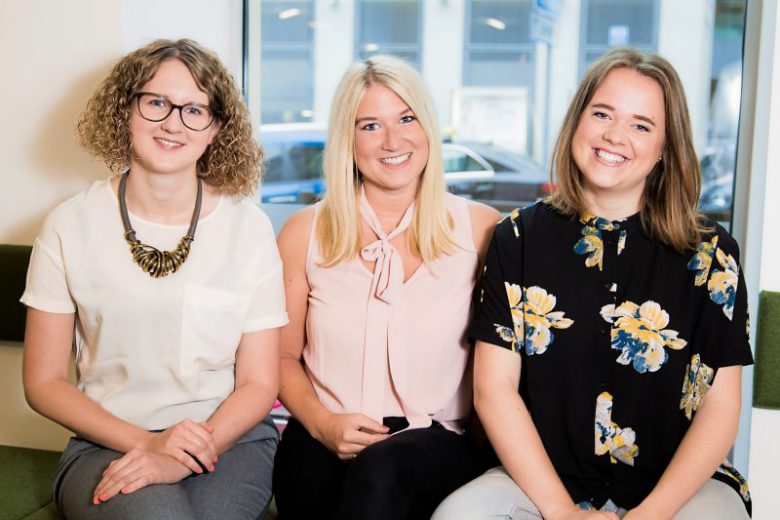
(493, 495)
(714, 501)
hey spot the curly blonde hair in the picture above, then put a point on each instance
(232, 163)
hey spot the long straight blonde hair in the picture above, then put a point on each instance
(668, 208)
(337, 226)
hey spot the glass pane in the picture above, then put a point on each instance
(620, 22)
(413, 57)
(286, 21)
(500, 69)
(500, 21)
(287, 80)
(718, 159)
(480, 106)
(389, 21)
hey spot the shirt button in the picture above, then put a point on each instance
(603, 330)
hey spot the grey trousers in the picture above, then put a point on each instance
(239, 488)
(495, 496)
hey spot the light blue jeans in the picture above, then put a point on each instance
(495, 496)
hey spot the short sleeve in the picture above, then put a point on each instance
(46, 287)
(723, 325)
(499, 318)
(267, 306)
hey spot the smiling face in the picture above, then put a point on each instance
(391, 148)
(167, 146)
(619, 140)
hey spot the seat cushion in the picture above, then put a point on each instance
(26, 477)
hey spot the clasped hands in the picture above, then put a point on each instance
(164, 457)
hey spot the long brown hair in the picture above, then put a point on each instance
(231, 163)
(668, 208)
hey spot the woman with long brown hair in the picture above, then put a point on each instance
(611, 331)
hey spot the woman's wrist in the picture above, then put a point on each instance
(144, 440)
(560, 509)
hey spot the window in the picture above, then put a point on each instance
(498, 47)
(389, 27)
(287, 59)
(617, 23)
(504, 96)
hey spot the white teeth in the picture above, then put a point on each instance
(167, 142)
(395, 161)
(610, 157)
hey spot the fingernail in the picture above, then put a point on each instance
(103, 497)
(95, 501)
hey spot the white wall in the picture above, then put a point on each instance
(54, 54)
(563, 74)
(765, 424)
(443, 53)
(685, 39)
(334, 40)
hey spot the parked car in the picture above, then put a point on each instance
(486, 173)
(717, 172)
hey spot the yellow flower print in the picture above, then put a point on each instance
(619, 442)
(640, 335)
(532, 319)
(514, 294)
(591, 245)
(702, 260)
(730, 471)
(513, 216)
(539, 319)
(621, 242)
(696, 384)
(723, 283)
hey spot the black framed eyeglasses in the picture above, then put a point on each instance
(156, 107)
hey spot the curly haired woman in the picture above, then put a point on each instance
(169, 284)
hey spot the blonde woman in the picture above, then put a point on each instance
(170, 282)
(379, 278)
(619, 312)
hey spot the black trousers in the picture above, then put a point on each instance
(401, 478)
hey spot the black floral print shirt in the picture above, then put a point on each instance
(621, 337)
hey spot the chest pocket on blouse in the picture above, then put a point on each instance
(212, 321)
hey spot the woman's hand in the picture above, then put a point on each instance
(185, 442)
(137, 469)
(346, 435)
(642, 514)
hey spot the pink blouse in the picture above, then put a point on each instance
(384, 347)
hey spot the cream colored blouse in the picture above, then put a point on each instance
(157, 351)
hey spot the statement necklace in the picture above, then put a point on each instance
(153, 261)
